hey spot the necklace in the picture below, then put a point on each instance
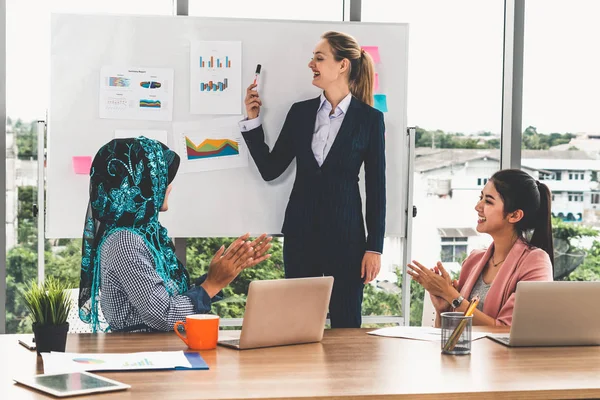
(495, 264)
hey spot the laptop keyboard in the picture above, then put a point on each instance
(503, 339)
(233, 342)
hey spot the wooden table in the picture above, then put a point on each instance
(347, 364)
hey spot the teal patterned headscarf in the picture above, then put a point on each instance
(128, 183)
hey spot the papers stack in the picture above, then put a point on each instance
(56, 362)
(419, 333)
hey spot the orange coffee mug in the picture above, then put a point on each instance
(201, 331)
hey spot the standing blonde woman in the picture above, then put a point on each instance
(330, 137)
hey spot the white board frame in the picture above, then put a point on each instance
(83, 44)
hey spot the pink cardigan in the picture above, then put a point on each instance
(522, 264)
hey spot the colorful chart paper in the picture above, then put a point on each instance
(215, 77)
(210, 145)
(136, 93)
(210, 148)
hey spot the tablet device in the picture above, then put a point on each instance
(71, 384)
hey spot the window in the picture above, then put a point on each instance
(550, 176)
(322, 10)
(27, 93)
(454, 249)
(576, 175)
(455, 98)
(576, 197)
(595, 198)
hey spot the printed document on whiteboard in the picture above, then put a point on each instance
(136, 93)
(215, 77)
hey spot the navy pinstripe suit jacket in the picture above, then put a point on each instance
(326, 200)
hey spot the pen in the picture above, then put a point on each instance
(449, 346)
(257, 75)
(472, 305)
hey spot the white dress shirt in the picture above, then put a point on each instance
(327, 126)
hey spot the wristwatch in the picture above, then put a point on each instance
(457, 302)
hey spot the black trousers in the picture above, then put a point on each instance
(309, 257)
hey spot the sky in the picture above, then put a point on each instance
(455, 55)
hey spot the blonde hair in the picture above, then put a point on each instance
(361, 74)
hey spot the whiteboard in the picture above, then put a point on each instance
(216, 203)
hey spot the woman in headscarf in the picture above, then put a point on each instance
(128, 265)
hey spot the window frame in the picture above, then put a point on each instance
(511, 129)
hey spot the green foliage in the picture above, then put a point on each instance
(442, 140)
(27, 224)
(380, 302)
(26, 195)
(569, 231)
(64, 263)
(531, 140)
(538, 141)
(26, 139)
(417, 294)
(27, 233)
(21, 267)
(589, 270)
(199, 254)
(48, 303)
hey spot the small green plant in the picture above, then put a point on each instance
(48, 303)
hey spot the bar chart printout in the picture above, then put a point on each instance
(210, 62)
(213, 86)
(215, 77)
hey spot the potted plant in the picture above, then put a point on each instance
(49, 306)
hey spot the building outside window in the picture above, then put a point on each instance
(454, 249)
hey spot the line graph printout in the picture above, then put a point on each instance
(211, 148)
(215, 77)
(136, 93)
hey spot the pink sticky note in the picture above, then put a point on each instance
(376, 83)
(82, 164)
(373, 51)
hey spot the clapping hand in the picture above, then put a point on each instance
(436, 283)
(227, 264)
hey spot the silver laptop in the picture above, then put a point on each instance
(554, 314)
(284, 311)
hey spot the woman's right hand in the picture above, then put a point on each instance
(252, 102)
(227, 264)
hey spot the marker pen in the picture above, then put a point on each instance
(256, 76)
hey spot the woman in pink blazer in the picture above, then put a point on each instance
(511, 205)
